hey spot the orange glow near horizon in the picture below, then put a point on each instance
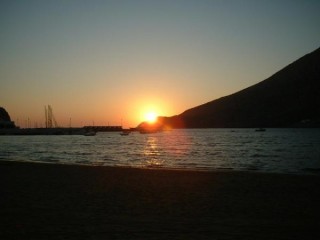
(129, 112)
(148, 108)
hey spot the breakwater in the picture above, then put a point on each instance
(59, 131)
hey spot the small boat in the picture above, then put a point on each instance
(90, 133)
(260, 130)
(124, 133)
(147, 131)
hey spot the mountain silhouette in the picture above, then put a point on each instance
(5, 120)
(289, 98)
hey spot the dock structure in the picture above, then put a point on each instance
(103, 128)
(43, 131)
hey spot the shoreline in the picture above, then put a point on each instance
(50, 201)
(303, 172)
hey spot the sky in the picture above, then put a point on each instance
(106, 62)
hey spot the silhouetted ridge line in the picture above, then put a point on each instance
(289, 98)
(5, 120)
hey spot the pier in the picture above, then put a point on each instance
(103, 128)
(59, 130)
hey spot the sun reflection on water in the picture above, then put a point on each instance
(152, 153)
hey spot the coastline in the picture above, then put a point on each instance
(48, 201)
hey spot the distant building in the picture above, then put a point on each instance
(5, 120)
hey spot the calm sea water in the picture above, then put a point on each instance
(276, 150)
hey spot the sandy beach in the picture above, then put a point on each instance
(45, 201)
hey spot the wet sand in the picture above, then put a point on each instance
(44, 201)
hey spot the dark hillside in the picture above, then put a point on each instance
(5, 120)
(290, 97)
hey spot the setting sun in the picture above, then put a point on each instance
(151, 116)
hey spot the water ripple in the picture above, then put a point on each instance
(276, 150)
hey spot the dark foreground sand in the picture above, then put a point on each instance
(41, 201)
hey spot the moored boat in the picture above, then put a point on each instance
(90, 133)
(125, 133)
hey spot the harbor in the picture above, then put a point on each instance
(8, 127)
(59, 130)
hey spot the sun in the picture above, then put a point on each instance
(151, 117)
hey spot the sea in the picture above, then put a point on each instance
(295, 151)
